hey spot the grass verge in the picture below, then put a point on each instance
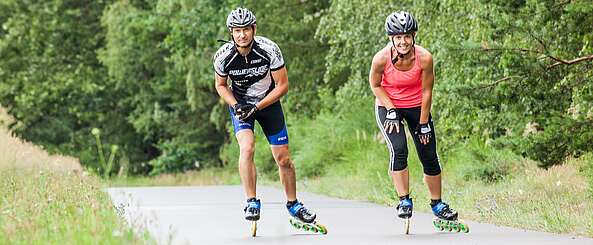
(210, 176)
(525, 196)
(40, 206)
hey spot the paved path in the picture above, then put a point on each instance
(214, 215)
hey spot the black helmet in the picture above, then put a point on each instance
(240, 17)
(400, 23)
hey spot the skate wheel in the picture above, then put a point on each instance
(463, 228)
(254, 229)
(449, 226)
(304, 227)
(435, 223)
(295, 224)
(455, 228)
(322, 229)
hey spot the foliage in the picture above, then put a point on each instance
(477, 160)
(495, 70)
(141, 71)
(52, 82)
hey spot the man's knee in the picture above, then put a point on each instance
(247, 149)
(284, 161)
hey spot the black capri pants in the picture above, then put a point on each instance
(397, 143)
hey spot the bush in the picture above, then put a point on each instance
(480, 161)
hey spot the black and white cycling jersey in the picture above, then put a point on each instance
(250, 75)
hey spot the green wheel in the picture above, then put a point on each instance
(455, 227)
(448, 226)
(463, 228)
(322, 229)
(436, 224)
(307, 227)
(295, 224)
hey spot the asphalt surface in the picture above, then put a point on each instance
(214, 215)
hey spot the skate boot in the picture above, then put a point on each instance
(446, 219)
(303, 218)
(404, 211)
(404, 208)
(252, 209)
(252, 213)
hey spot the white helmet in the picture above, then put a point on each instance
(240, 17)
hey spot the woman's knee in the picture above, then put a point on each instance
(399, 159)
(432, 167)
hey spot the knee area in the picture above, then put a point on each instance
(400, 157)
(400, 153)
(432, 170)
(431, 165)
(399, 166)
(284, 162)
(247, 149)
(399, 160)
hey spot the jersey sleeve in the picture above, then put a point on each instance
(220, 59)
(276, 59)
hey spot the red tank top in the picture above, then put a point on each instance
(404, 88)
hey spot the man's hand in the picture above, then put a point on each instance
(244, 112)
(235, 107)
(391, 121)
(423, 131)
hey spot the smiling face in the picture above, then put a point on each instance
(243, 35)
(403, 42)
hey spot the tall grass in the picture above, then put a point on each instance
(15, 152)
(48, 199)
(51, 207)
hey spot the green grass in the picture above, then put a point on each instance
(211, 176)
(40, 206)
(48, 199)
(554, 200)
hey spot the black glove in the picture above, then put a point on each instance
(244, 112)
(235, 107)
(391, 121)
(423, 131)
